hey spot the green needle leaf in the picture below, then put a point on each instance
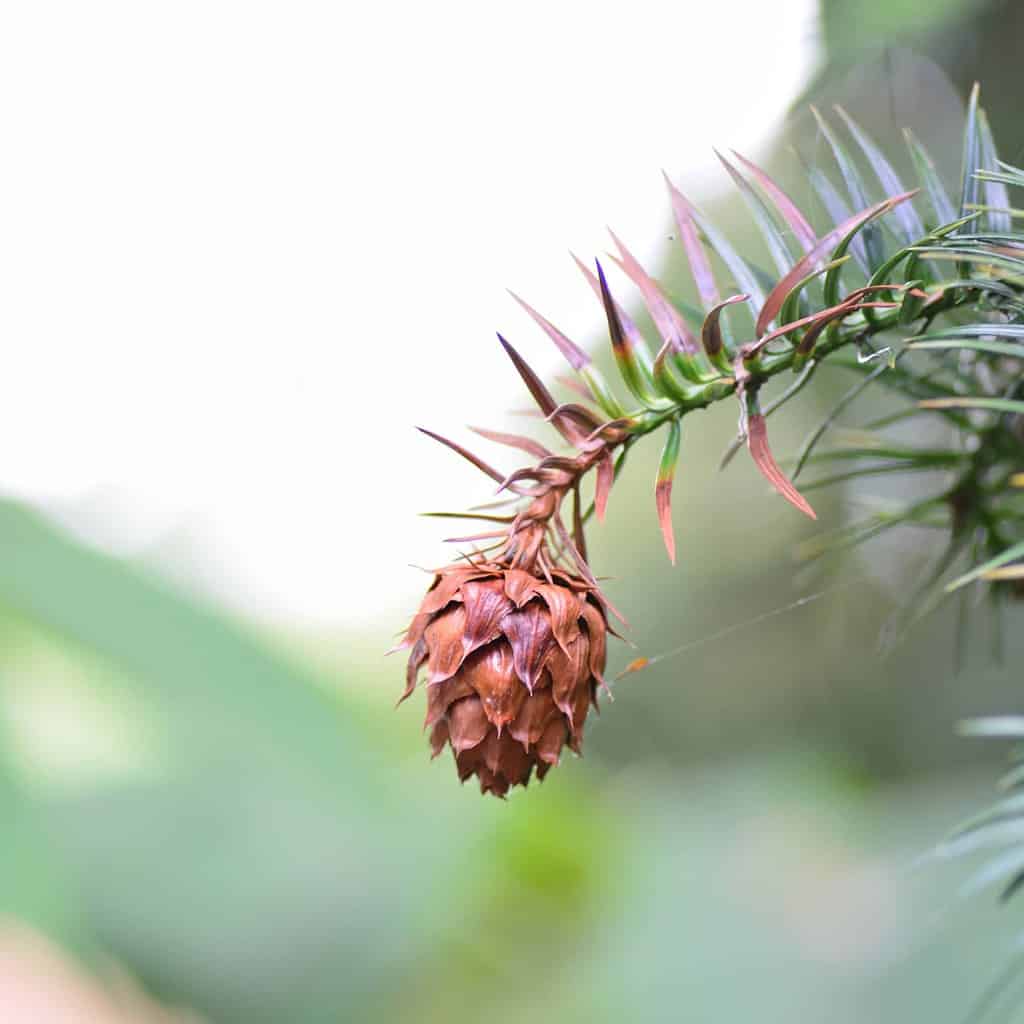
(975, 331)
(838, 210)
(927, 174)
(667, 319)
(788, 210)
(700, 266)
(971, 155)
(855, 187)
(1009, 555)
(995, 404)
(689, 219)
(630, 329)
(777, 296)
(630, 367)
(666, 382)
(578, 359)
(906, 215)
(663, 487)
(996, 348)
(782, 255)
(711, 334)
(996, 194)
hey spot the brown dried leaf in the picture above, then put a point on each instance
(757, 442)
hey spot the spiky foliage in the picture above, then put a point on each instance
(918, 292)
(994, 839)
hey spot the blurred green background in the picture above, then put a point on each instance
(240, 822)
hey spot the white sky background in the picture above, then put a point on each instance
(246, 247)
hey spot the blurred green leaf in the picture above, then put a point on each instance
(33, 885)
(277, 813)
(851, 27)
(1011, 554)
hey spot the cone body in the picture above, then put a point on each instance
(512, 667)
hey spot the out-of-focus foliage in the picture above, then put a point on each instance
(866, 42)
(850, 28)
(259, 856)
(272, 851)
